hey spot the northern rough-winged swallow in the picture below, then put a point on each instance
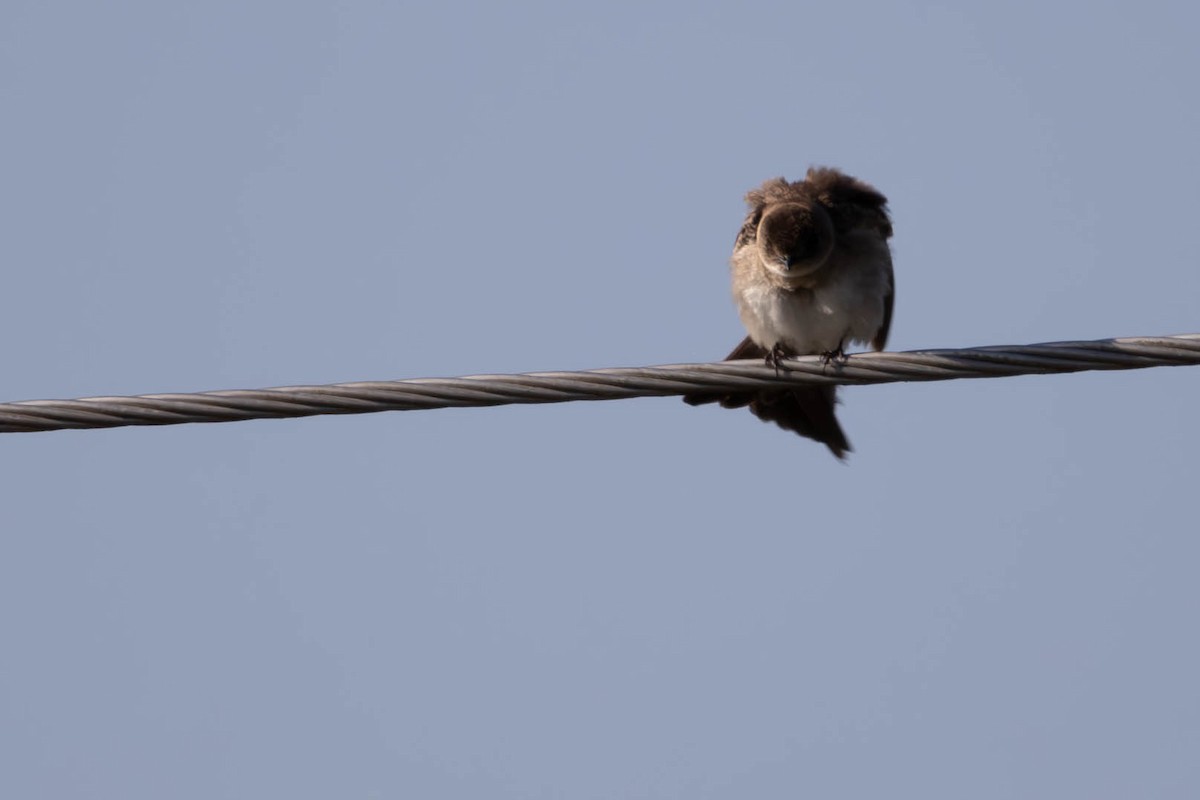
(812, 272)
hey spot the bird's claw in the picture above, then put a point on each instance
(837, 356)
(775, 356)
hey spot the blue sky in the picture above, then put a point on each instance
(993, 598)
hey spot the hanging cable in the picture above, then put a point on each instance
(600, 384)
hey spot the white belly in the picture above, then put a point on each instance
(847, 308)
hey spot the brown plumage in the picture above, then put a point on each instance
(812, 273)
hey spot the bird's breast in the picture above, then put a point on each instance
(848, 306)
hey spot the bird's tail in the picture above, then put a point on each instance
(805, 410)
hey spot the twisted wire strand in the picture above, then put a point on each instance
(599, 384)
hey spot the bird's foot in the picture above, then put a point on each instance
(837, 356)
(775, 356)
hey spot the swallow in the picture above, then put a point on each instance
(812, 274)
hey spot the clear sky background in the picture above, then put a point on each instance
(996, 597)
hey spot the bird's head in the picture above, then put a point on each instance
(795, 240)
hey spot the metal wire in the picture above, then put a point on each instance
(599, 384)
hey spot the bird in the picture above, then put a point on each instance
(811, 274)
